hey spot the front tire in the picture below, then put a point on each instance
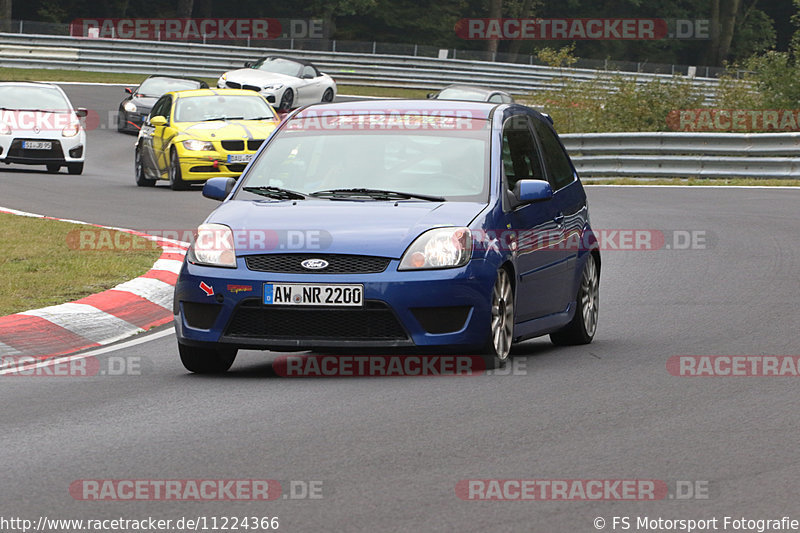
(327, 96)
(75, 168)
(138, 171)
(582, 327)
(53, 169)
(206, 360)
(502, 325)
(122, 121)
(175, 177)
(286, 100)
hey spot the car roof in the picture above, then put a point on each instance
(295, 60)
(30, 84)
(173, 78)
(474, 88)
(211, 92)
(478, 110)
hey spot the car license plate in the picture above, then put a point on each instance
(239, 158)
(37, 145)
(338, 295)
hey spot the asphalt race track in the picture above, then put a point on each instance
(389, 451)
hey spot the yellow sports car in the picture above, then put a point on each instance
(191, 136)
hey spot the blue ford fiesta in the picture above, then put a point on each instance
(411, 224)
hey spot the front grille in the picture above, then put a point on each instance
(204, 168)
(55, 151)
(236, 167)
(233, 85)
(251, 88)
(233, 146)
(254, 144)
(337, 263)
(375, 321)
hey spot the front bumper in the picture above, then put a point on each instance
(63, 150)
(424, 309)
(203, 165)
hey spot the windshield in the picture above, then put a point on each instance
(279, 66)
(462, 93)
(431, 162)
(219, 107)
(32, 97)
(158, 86)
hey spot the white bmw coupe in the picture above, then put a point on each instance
(286, 83)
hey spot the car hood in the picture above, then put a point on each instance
(144, 101)
(377, 228)
(217, 130)
(253, 76)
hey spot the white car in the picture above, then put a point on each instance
(39, 126)
(285, 83)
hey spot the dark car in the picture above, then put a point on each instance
(473, 94)
(137, 105)
(423, 227)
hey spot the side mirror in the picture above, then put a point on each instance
(218, 188)
(530, 191)
(158, 121)
(548, 117)
(248, 64)
(430, 96)
(81, 112)
(128, 90)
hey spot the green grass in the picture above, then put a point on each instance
(43, 264)
(739, 182)
(32, 74)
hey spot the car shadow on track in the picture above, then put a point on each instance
(311, 365)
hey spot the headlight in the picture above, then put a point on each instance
(5, 129)
(129, 106)
(273, 87)
(213, 246)
(438, 248)
(71, 131)
(197, 146)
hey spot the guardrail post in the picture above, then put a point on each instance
(291, 43)
(415, 50)
(333, 45)
(20, 26)
(374, 46)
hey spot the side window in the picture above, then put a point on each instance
(520, 157)
(496, 98)
(506, 99)
(309, 72)
(558, 166)
(162, 107)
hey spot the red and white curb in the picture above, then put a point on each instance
(127, 309)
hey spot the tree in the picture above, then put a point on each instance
(5, 15)
(495, 12)
(723, 24)
(185, 8)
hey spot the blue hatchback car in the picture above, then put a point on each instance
(411, 224)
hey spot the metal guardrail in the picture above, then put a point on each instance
(120, 55)
(685, 154)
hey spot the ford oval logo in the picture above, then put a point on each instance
(314, 264)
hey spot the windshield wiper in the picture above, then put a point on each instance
(222, 118)
(276, 193)
(260, 118)
(378, 194)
